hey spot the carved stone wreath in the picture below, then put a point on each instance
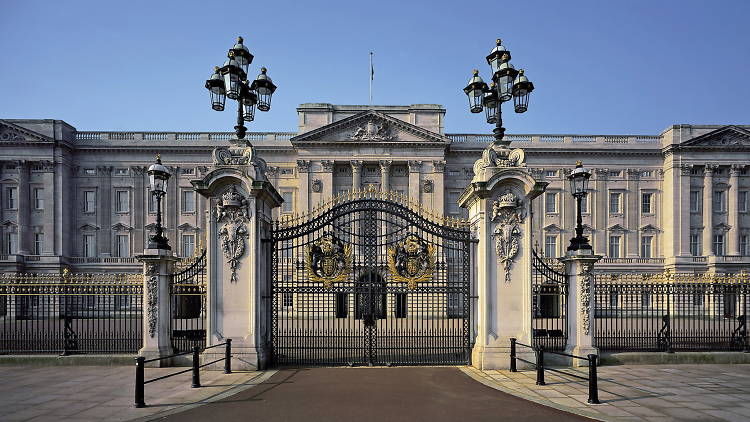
(317, 185)
(507, 212)
(233, 211)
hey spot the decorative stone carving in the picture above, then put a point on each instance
(736, 169)
(272, 171)
(385, 165)
(152, 292)
(356, 165)
(414, 166)
(327, 165)
(317, 185)
(439, 166)
(709, 169)
(508, 214)
(634, 174)
(233, 211)
(11, 136)
(499, 156)
(106, 170)
(601, 173)
(372, 131)
(427, 186)
(587, 278)
(138, 170)
(241, 155)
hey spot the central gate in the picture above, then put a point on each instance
(370, 280)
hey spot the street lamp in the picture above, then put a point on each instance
(158, 176)
(579, 183)
(230, 81)
(507, 83)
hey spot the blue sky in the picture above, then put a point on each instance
(626, 67)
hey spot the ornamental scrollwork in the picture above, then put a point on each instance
(411, 261)
(499, 156)
(328, 260)
(233, 211)
(585, 300)
(152, 292)
(508, 213)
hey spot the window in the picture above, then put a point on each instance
(287, 300)
(287, 206)
(696, 171)
(719, 245)
(121, 172)
(550, 202)
(453, 203)
(585, 204)
(89, 172)
(10, 198)
(38, 243)
(188, 245)
(646, 299)
(38, 194)
(743, 199)
(698, 297)
(614, 202)
(188, 201)
(646, 249)
(614, 173)
(695, 201)
(550, 173)
(187, 170)
(89, 201)
(719, 203)
(122, 245)
(11, 243)
(89, 245)
(646, 173)
(646, 205)
(614, 246)
(695, 245)
(550, 246)
(744, 246)
(122, 201)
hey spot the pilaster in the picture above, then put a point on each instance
(385, 174)
(438, 191)
(356, 174)
(326, 179)
(733, 208)
(580, 317)
(708, 214)
(415, 187)
(157, 269)
(49, 209)
(303, 173)
(631, 207)
(24, 209)
(104, 210)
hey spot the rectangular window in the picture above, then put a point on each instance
(695, 245)
(646, 173)
(89, 201)
(11, 243)
(89, 245)
(122, 201)
(614, 202)
(646, 251)
(698, 297)
(719, 203)
(550, 246)
(719, 245)
(585, 204)
(38, 198)
(744, 246)
(188, 201)
(695, 201)
(122, 245)
(453, 203)
(614, 173)
(743, 201)
(121, 172)
(550, 202)
(646, 299)
(287, 205)
(550, 173)
(10, 198)
(38, 243)
(646, 205)
(614, 246)
(287, 300)
(188, 245)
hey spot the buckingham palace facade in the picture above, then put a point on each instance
(674, 200)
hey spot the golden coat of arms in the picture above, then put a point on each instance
(328, 260)
(412, 261)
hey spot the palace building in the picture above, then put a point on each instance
(674, 200)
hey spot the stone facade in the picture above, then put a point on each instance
(675, 200)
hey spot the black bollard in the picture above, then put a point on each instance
(513, 355)
(196, 367)
(593, 387)
(228, 357)
(540, 365)
(139, 375)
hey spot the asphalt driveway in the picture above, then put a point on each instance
(372, 394)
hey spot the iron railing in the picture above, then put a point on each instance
(671, 312)
(549, 304)
(70, 313)
(188, 304)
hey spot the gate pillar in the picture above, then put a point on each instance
(238, 256)
(579, 266)
(157, 268)
(499, 203)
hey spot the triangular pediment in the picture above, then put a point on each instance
(649, 228)
(552, 228)
(14, 134)
(8, 223)
(617, 228)
(187, 227)
(119, 227)
(728, 136)
(88, 227)
(370, 127)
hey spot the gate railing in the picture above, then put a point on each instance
(671, 312)
(70, 313)
(188, 304)
(549, 304)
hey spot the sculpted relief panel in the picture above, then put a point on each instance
(508, 215)
(232, 213)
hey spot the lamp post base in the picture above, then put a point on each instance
(158, 242)
(579, 243)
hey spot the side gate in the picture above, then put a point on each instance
(188, 304)
(549, 304)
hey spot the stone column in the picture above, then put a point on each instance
(139, 207)
(49, 209)
(632, 207)
(682, 226)
(385, 175)
(438, 190)
(415, 188)
(708, 213)
(356, 174)
(104, 210)
(303, 170)
(579, 267)
(326, 179)
(599, 206)
(24, 209)
(157, 269)
(172, 208)
(733, 208)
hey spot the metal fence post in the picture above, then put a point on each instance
(196, 367)
(593, 386)
(139, 366)
(512, 355)
(228, 357)
(539, 365)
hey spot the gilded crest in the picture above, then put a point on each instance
(412, 261)
(328, 260)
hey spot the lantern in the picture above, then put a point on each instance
(475, 91)
(521, 90)
(215, 86)
(264, 88)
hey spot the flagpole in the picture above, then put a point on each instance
(372, 75)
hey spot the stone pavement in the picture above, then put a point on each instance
(97, 393)
(638, 392)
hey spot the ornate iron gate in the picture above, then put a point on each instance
(188, 303)
(370, 280)
(549, 307)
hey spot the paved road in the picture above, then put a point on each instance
(372, 394)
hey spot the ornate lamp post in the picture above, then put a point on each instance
(507, 83)
(579, 183)
(230, 81)
(158, 176)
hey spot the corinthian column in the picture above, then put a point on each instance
(708, 212)
(733, 208)
(385, 174)
(356, 174)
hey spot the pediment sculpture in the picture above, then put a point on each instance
(508, 214)
(372, 131)
(233, 212)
